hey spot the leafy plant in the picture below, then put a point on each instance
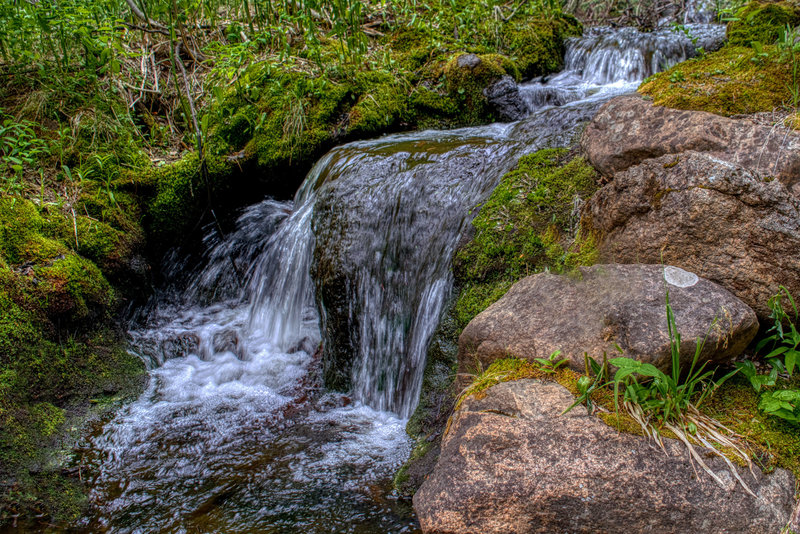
(19, 148)
(659, 401)
(783, 358)
(586, 385)
(789, 48)
(550, 365)
(783, 403)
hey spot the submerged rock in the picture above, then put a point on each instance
(628, 130)
(511, 463)
(705, 215)
(599, 308)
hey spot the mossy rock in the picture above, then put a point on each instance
(537, 47)
(734, 80)
(521, 228)
(21, 238)
(74, 287)
(762, 22)
(467, 75)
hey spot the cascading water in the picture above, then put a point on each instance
(235, 432)
(608, 61)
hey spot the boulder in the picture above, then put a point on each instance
(628, 130)
(511, 464)
(704, 215)
(599, 308)
(503, 95)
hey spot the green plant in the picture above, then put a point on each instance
(550, 365)
(789, 48)
(658, 401)
(783, 340)
(784, 403)
(587, 385)
(19, 148)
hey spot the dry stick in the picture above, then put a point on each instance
(140, 14)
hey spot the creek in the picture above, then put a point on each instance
(236, 431)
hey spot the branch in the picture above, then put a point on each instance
(140, 14)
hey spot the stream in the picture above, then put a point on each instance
(236, 431)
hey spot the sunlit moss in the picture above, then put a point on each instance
(734, 80)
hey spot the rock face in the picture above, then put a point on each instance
(704, 215)
(606, 305)
(628, 130)
(511, 464)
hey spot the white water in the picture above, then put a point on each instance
(235, 432)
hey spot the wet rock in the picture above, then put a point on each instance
(707, 216)
(604, 306)
(228, 341)
(628, 130)
(504, 96)
(511, 463)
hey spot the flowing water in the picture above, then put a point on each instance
(236, 432)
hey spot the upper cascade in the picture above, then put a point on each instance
(607, 60)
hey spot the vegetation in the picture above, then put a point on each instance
(755, 71)
(782, 360)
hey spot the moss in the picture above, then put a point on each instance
(526, 225)
(75, 287)
(537, 47)
(382, 104)
(762, 22)
(734, 80)
(466, 80)
(183, 193)
(20, 233)
(773, 441)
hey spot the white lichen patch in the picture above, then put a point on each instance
(678, 277)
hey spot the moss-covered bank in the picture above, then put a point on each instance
(267, 131)
(749, 74)
(58, 348)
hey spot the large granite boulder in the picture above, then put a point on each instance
(629, 129)
(708, 216)
(510, 464)
(600, 307)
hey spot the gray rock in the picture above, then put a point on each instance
(705, 215)
(503, 95)
(468, 61)
(628, 130)
(603, 306)
(511, 464)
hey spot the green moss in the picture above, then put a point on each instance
(74, 286)
(773, 441)
(382, 104)
(20, 233)
(466, 81)
(762, 22)
(526, 225)
(183, 193)
(537, 47)
(734, 80)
